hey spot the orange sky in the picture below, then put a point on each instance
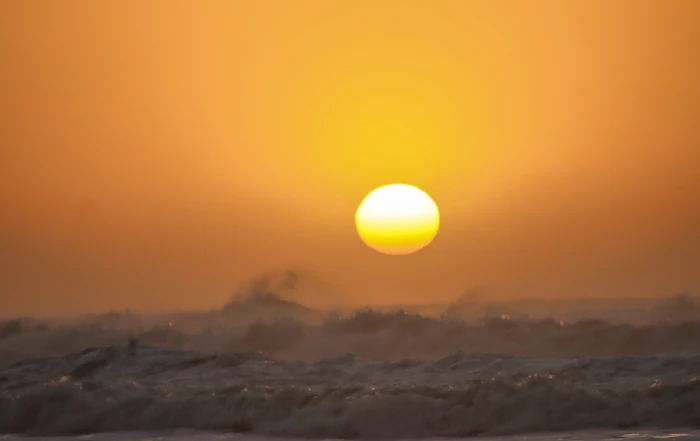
(156, 154)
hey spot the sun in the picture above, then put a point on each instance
(397, 219)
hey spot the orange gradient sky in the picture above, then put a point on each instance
(155, 154)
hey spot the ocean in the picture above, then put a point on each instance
(372, 375)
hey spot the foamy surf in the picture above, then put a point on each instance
(145, 388)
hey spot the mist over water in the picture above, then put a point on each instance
(261, 317)
(266, 364)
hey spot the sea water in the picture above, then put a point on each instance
(143, 389)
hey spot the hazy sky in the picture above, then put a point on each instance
(155, 154)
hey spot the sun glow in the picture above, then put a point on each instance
(397, 219)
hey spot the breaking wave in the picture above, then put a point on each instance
(136, 387)
(287, 330)
(266, 364)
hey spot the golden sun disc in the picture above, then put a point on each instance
(397, 219)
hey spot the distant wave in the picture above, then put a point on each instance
(369, 334)
(136, 387)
